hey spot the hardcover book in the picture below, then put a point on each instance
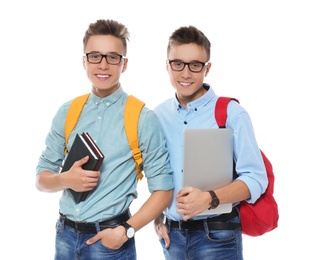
(82, 146)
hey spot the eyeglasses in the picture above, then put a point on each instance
(194, 66)
(96, 58)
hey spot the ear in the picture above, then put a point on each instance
(207, 69)
(84, 62)
(167, 66)
(125, 65)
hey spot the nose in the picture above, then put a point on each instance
(186, 73)
(103, 63)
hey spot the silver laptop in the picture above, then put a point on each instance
(208, 161)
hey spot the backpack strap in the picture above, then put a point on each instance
(131, 118)
(220, 112)
(73, 115)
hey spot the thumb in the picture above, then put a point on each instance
(93, 239)
(82, 161)
(167, 240)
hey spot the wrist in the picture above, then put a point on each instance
(129, 230)
(214, 201)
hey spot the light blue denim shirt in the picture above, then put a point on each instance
(200, 114)
(103, 119)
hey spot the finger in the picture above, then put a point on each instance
(180, 200)
(93, 174)
(183, 192)
(79, 163)
(180, 206)
(93, 239)
(187, 217)
(167, 240)
(181, 211)
(165, 236)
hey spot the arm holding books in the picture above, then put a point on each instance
(76, 178)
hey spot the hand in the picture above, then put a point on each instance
(112, 238)
(191, 201)
(162, 231)
(79, 179)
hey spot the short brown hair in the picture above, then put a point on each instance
(189, 34)
(107, 27)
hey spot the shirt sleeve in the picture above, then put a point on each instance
(52, 156)
(152, 141)
(249, 162)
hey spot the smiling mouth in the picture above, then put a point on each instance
(102, 76)
(185, 84)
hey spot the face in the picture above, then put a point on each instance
(188, 84)
(104, 76)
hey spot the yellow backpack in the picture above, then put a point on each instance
(131, 118)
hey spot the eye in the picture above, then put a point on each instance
(113, 57)
(195, 65)
(177, 63)
(95, 56)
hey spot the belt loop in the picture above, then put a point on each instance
(180, 224)
(168, 222)
(97, 226)
(62, 219)
(205, 224)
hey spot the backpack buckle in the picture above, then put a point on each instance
(136, 154)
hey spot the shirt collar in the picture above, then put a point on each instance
(108, 100)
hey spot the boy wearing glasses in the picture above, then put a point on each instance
(184, 235)
(102, 227)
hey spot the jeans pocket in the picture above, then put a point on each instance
(59, 227)
(221, 235)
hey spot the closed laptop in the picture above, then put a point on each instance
(208, 161)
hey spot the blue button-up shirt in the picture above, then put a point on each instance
(200, 114)
(103, 119)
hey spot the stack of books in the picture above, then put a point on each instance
(82, 146)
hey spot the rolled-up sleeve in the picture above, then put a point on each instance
(156, 163)
(52, 156)
(250, 166)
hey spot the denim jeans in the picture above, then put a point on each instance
(71, 245)
(204, 244)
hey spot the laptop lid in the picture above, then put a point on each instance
(208, 161)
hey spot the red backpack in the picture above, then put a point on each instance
(262, 216)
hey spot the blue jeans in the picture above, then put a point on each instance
(204, 244)
(71, 245)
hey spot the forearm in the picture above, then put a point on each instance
(49, 182)
(234, 192)
(151, 209)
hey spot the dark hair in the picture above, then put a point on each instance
(107, 27)
(189, 34)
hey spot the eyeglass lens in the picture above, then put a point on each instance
(97, 58)
(194, 66)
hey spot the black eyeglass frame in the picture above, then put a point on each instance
(104, 56)
(188, 65)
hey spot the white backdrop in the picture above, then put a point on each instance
(260, 55)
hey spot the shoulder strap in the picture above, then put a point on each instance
(73, 115)
(220, 112)
(131, 117)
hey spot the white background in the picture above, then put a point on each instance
(260, 55)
